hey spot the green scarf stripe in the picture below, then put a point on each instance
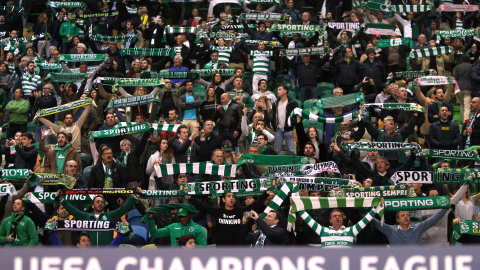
(23, 39)
(139, 82)
(451, 154)
(62, 108)
(195, 168)
(224, 35)
(169, 75)
(331, 102)
(465, 227)
(307, 115)
(121, 129)
(398, 191)
(61, 4)
(381, 146)
(148, 52)
(320, 183)
(400, 75)
(385, 43)
(263, 17)
(392, 106)
(49, 66)
(16, 9)
(295, 28)
(419, 203)
(305, 51)
(456, 33)
(166, 127)
(133, 101)
(66, 77)
(426, 52)
(281, 195)
(301, 169)
(82, 57)
(410, 8)
(232, 27)
(212, 72)
(311, 203)
(101, 38)
(442, 176)
(97, 15)
(180, 30)
(271, 160)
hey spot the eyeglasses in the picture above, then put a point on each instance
(72, 166)
(182, 176)
(168, 82)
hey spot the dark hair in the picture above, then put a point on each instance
(309, 143)
(441, 162)
(213, 51)
(465, 58)
(188, 81)
(29, 135)
(100, 153)
(262, 120)
(261, 134)
(260, 81)
(182, 241)
(174, 109)
(284, 87)
(336, 210)
(74, 87)
(180, 128)
(131, 22)
(83, 234)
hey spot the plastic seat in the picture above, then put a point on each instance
(325, 86)
(140, 231)
(86, 172)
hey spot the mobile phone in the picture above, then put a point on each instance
(248, 214)
(347, 176)
(237, 151)
(47, 132)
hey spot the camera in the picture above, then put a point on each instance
(248, 214)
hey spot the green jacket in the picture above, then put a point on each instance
(68, 28)
(18, 111)
(176, 230)
(26, 231)
(98, 238)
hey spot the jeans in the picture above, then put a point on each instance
(293, 78)
(308, 92)
(464, 98)
(39, 127)
(280, 135)
(47, 48)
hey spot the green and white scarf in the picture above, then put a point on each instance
(49, 66)
(267, 43)
(426, 52)
(271, 160)
(320, 183)
(62, 108)
(211, 72)
(224, 35)
(16, 9)
(180, 30)
(163, 194)
(380, 6)
(344, 25)
(410, 8)
(417, 203)
(280, 196)
(305, 51)
(465, 227)
(380, 29)
(263, 17)
(228, 186)
(82, 57)
(260, 2)
(62, 4)
(413, 107)
(49, 198)
(296, 28)
(302, 34)
(195, 168)
(232, 27)
(100, 38)
(429, 177)
(381, 146)
(400, 75)
(121, 129)
(133, 101)
(450, 154)
(437, 80)
(169, 75)
(66, 77)
(385, 43)
(460, 8)
(98, 15)
(50, 179)
(148, 52)
(24, 39)
(6, 189)
(457, 33)
(301, 169)
(166, 127)
(139, 82)
(332, 102)
(306, 114)
(399, 191)
(15, 174)
(85, 225)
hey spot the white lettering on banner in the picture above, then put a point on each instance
(409, 177)
(408, 203)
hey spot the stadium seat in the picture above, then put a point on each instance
(140, 231)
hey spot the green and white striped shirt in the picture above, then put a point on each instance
(30, 83)
(344, 237)
(261, 61)
(223, 53)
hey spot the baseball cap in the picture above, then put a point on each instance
(227, 145)
(182, 212)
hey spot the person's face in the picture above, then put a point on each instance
(3, 68)
(214, 57)
(394, 90)
(249, 200)
(253, 150)
(80, 50)
(422, 39)
(368, 182)
(107, 156)
(448, 41)
(439, 95)
(305, 16)
(382, 166)
(410, 16)
(56, 54)
(26, 141)
(62, 140)
(433, 193)
(208, 127)
(177, 61)
(309, 150)
(185, 220)
(345, 126)
(218, 78)
(263, 85)
(344, 35)
(31, 67)
(110, 120)
(84, 242)
(98, 204)
(76, 40)
(2, 19)
(168, 84)
(271, 219)
(93, 94)
(68, 120)
(126, 147)
(195, 12)
(190, 244)
(290, 4)
(129, 26)
(445, 165)
(261, 141)
(238, 73)
(18, 137)
(61, 16)
(353, 17)
(183, 134)
(17, 206)
(336, 219)
(475, 104)
(62, 212)
(238, 83)
(261, 46)
(444, 113)
(260, 125)
(189, 87)
(306, 59)
(337, 92)
(372, 155)
(140, 91)
(281, 92)
(312, 133)
(182, 178)
(164, 145)
(30, 52)
(225, 99)
(433, 25)
(403, 218)
(389, 122)
(144, 65)
(217, 157)
(71, 167)
(221, 42)
(402, 93)
(348, 53)
(172, 116)
(14, 34)
(83, 69)
(381, 15)
(229, 200)
(256, 117)
(136, 64)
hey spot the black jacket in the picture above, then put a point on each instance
(205, 148)
(274, 236)
(476, 79)
(374, 70)
(433, 109)
(97, 176)
(307, 74)
(231, 119)
(347, 73)
(44, 102)
(180, 149)
(25, 157)
(134, 170)
(291, 105)
(475, 137)
(436, 132)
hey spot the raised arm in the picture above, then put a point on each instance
(357, 228)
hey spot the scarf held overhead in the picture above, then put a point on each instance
(300, 169)
(133, 101)
(195, 168)
(227, 186)
(465, 227)
(62, 108)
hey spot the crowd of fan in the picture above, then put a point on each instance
(248, 110)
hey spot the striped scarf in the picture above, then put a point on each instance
(305, 51)
(280, 196)
(332, 102)
(385, 43)
(301, 169)
(296, 28)
(426, 52)
(410, 8)
(148, 52)
(381, 146)
(139, 82)
(264, 17)
(437, 80)
(306, 114)
(66, 77)
(398, 191)
(121, 129)
(457, 33)
(451, 154)
(133, 101)
(428, 177)
(169, 75)
(49, 198)
(271, 160)
(409, 107)
(180, 30)
(82, 57)
(62, 108)
(212, 72)
(320, 183)
(216, 188)
(166, 127)
(49, 66)
(195, 168)
(100, 38)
